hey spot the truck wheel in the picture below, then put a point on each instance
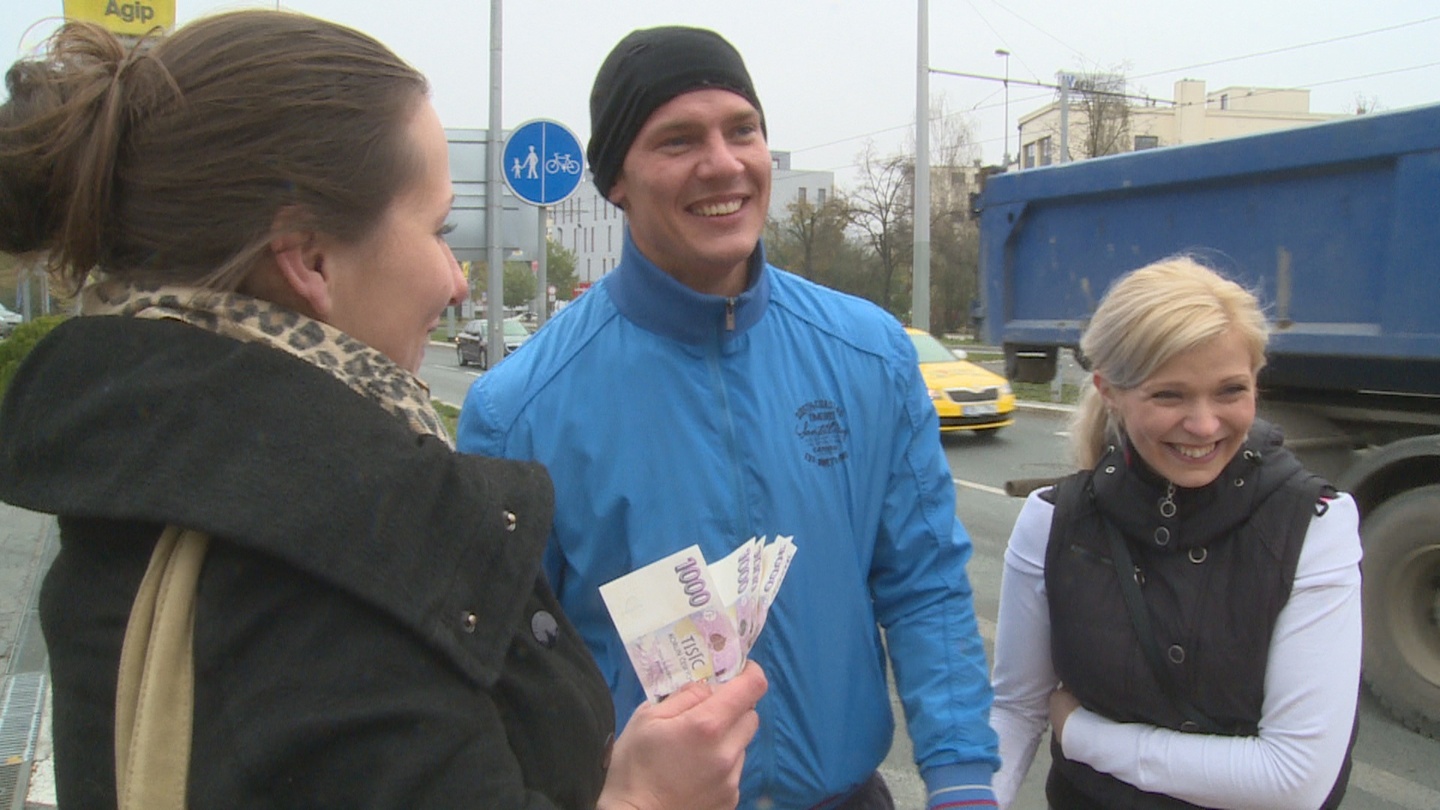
(1402, 606)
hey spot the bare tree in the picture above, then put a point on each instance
(881, 213)
(1364, 105)
(954, 240)
(952, 135)
(954, 250)
(1104, 109)
(880, 208)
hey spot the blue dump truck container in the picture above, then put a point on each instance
(1337, 227)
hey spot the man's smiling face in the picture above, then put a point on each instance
(695, 187)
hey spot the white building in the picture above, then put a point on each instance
(590, 227)
(789, 185)
(1192, 117)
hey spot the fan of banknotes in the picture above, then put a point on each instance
(683, 619)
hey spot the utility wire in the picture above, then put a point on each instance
(1270, 52)
(1287, 48)
(1067, 46)
(1001, 37)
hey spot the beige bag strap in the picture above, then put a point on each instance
(155, 697)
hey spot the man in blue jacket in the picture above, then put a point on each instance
(698, 395)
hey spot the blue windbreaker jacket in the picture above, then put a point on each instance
(667, 418)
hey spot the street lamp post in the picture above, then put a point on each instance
(1006, 54)
(920, 264)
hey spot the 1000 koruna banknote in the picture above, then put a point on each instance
(684, 620)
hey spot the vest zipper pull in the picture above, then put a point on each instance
(729, 314)
(1167, 503)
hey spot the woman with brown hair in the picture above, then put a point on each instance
(253, 211)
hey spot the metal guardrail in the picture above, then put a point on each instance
(22, 699)
(24, 687)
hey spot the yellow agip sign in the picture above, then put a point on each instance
(131, 17)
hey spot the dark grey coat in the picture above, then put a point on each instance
(372, 629)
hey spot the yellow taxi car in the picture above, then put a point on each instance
(966, 396)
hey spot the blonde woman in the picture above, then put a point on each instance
(1184, 611)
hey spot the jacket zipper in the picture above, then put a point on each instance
(732, 441)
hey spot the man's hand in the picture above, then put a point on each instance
(688, 750)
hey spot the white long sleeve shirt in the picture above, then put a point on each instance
(1311, 685)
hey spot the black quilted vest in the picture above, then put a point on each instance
(1216, 565)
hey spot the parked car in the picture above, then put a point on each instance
(9, 320)
(966, 396)
(470, 343)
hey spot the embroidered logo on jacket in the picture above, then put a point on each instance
(820, 424)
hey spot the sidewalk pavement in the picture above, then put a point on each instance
(1033, 405)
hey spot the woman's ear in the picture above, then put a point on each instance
(1110, 397)
(300, 262)
(1105, 389)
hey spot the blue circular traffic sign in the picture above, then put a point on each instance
(543, 162)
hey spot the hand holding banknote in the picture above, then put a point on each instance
(684, 620)
(687, 750)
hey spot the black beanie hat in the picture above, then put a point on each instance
(645, 70)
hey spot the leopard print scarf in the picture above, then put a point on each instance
(366, 371)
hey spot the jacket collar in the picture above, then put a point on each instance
(653, 300)
(1134, 497)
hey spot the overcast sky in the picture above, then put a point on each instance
(833, 74)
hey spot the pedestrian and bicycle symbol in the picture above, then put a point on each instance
(542, 162)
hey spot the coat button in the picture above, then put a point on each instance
(1177, 654)
(1189, 726)
(605, 754)
(545, 628)
(1198, 554)
(510, 520)
(1162, 536)
(469, 621)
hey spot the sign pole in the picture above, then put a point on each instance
(495, 292)
(542, 164)
(542, 300)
